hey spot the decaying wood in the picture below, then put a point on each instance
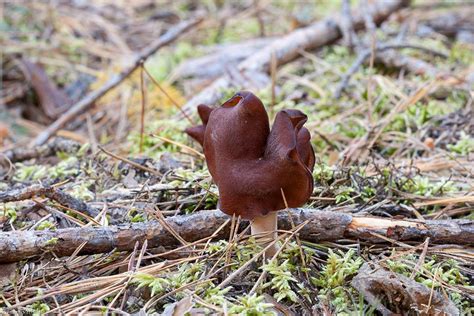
(54, 194)
(451, 23)
(322, 225)
(222, 57)
(57, 145)
(381, 287)
(255, 68)
(89, 99)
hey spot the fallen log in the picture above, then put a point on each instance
(321, 226)
(288, 48)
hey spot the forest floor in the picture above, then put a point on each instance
(390, 110)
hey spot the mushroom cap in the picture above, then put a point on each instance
(252, 165)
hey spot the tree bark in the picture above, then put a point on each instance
(321, 226)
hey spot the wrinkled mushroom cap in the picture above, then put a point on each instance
(250, 164)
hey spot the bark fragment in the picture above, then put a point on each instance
(393, 294)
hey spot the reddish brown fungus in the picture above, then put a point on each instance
(252, 164)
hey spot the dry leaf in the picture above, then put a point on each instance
(179, 308)
(52, 100)
(7, 273)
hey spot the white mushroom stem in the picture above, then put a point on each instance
(264, 228)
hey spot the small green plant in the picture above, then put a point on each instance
(138, 218)
(157, 285)
(343, 193)
(187, 273)
(252, 305)
(29, 173)
(423, 186)
(46, 225)
(294, 252)
(82, 192)
(68, 166)
(367, 193)
(65, 168)
(464, 145)
(335, 276)
(281, 278)
(215, 295)
(135, 216)
(322, 173)
(215, 247)
(246, 251)
(9, 210)
(38, 308)
(153, 146)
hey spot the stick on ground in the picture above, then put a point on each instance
(322, 226)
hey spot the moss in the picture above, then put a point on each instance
(9, 210)
(334, 279)
(251, 305)
(464, 146)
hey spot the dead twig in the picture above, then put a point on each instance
(347, 26)
(130, 162)
(52, 193)
(57, 145)
(365, 54)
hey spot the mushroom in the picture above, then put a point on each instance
(258, 171)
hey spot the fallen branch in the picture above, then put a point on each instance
(256, 67)
(59, 196)
(347, 26)
(89, 99)
(323, 225)
(57, 145)
(221, 58)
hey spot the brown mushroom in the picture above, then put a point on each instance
(252, 165)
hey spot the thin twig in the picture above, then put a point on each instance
(167, 95)
(130, 162)
(142, 115)
(366, 54)
(347, 25)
